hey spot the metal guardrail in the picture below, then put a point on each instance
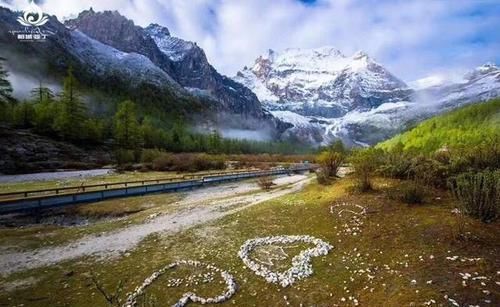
(50, 201)
(105, 186)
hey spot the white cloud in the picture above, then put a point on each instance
(413, 38)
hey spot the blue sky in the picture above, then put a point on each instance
(413, 38)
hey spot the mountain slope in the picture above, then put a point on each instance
(480, 84)
(184, 61)
(467, 126)
(353, 99)
(112, 29)
(168, 77)
(321, 82)
(98, 67)
(323, 86)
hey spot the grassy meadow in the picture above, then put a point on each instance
(402, 255)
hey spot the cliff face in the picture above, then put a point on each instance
(110, 54)
(112, 29)
(184, 61)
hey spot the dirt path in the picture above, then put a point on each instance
(199, 206)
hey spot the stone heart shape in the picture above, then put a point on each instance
(301, 264)
(346, 209)
(189, 296)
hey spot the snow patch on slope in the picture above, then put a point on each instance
(104, 59)
(293, 118)
(175, 48)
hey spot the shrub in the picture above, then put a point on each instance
(396, 163)
(366, 162)
(412, 194)
(124, 156)
(330, 162)
(442, 155)
(163, 162)
(265, 183)
(203, 162)
(483, 156)
(478, 194)
(149, 155)
(322, 177)
(428, 172)
(188, 162)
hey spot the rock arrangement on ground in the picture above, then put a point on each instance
(189, 296)
(349, 208)
(352, 215)
(301, 264)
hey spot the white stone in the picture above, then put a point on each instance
(301, 264)
(189, 296)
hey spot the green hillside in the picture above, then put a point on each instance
(465, 127)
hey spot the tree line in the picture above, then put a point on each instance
(65, 116)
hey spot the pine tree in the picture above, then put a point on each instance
(5, 86)
(72, 112)
(6, 98)
(150, 134)
(43, 99)
(42, 94)
(126, 127)
(93, 130)
(214, 142)
(24, 115)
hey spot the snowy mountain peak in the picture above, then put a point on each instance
(325, 58)
(269, 56)
(487, 68)
(360, 55)
(158, 30)
(321, 52)
(321, 81)
(320, 85)
(175, 48)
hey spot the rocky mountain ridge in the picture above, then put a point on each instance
(184, 61)
(326, 95)
(311, 95)
(110, 53)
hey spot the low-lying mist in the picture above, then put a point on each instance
(242, 134)
(22, 85)
(236, 126)
(26, 73)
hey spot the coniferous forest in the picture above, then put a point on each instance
(66, 117)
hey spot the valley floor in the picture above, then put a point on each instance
(393, 255)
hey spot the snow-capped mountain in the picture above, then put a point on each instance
(184, 61)
(175, 48)
(193, 71)
(480, 84)
(326, 95)
(313, 95)
(109, 53)
(105, 61)
(95, 62)
(321, 82)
